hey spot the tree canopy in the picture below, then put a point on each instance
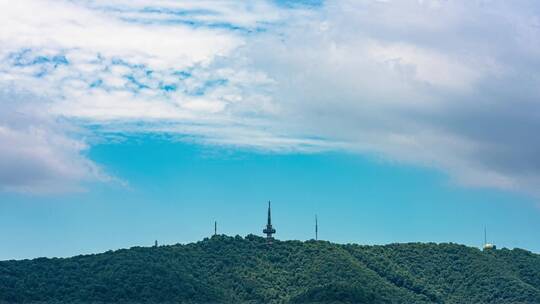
(226, 269)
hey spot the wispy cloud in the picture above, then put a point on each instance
(448, 84)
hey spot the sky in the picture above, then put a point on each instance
(124, 122)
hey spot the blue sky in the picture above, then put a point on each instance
(122, 122)
(176, 190)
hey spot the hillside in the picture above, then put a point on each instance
(246, 270)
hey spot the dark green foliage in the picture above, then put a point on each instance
(339, 293)
(246, 270)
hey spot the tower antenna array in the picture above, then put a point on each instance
(269, 230)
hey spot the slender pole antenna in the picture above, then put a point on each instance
(215, 227)
(316, 228)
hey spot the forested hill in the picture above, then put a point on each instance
(246, 270)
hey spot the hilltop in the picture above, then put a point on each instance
(226, 269)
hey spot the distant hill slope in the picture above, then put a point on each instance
(245, 270)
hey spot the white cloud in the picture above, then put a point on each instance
(37, 154)
(450, 86)
(447, 84)
(425, 65)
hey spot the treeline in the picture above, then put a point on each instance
(246, 270)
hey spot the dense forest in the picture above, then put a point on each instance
(226, 269)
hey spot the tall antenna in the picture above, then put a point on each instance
(269, 230)
(316, 228)
(215, 227)
(488, 246)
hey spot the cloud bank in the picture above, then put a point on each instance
(39, 154)
(452, 85)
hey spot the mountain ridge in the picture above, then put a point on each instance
(225, 269)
